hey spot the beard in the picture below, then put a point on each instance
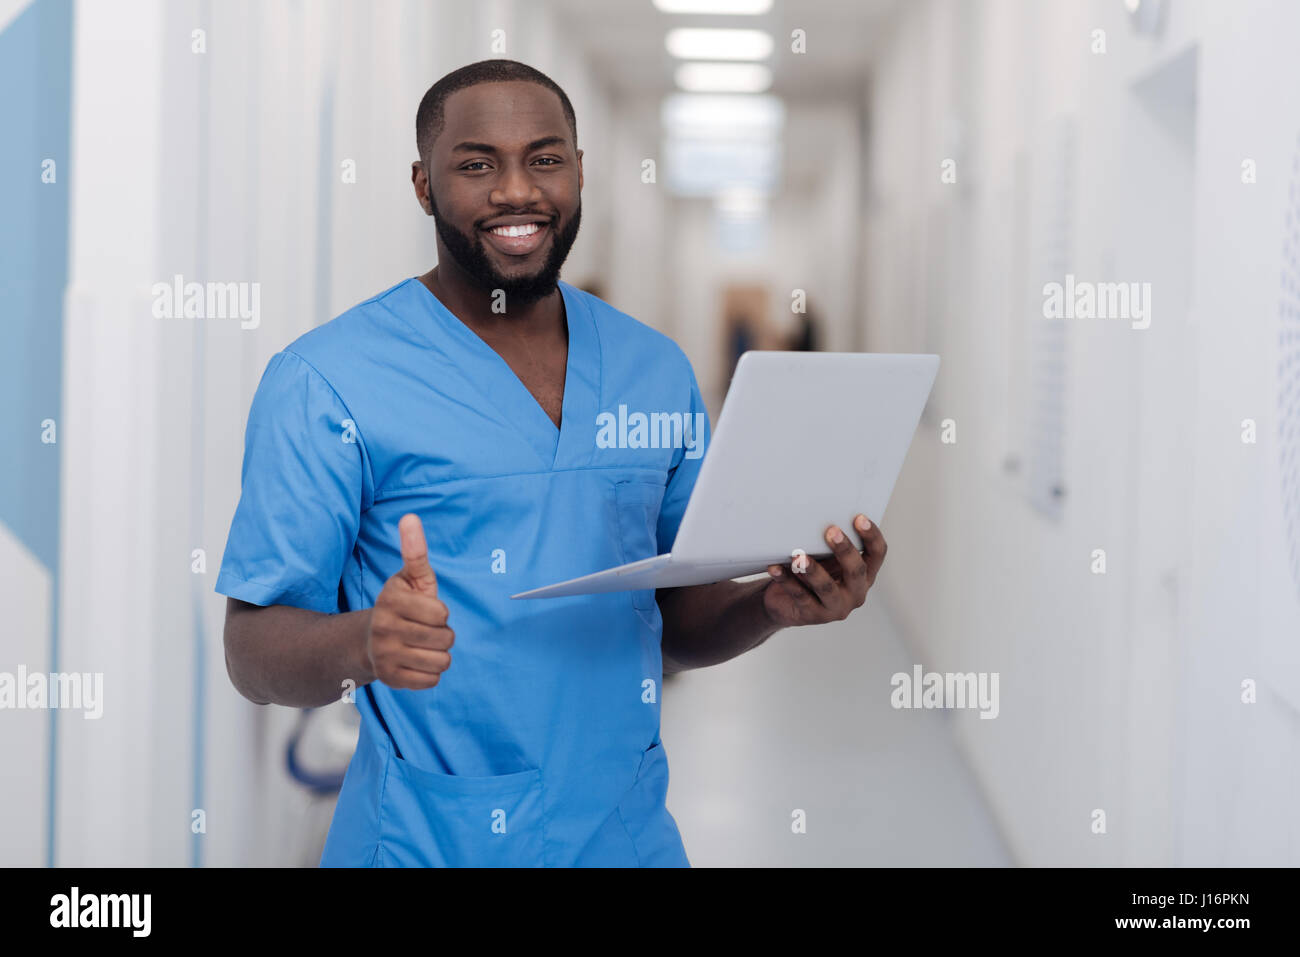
(471, 254)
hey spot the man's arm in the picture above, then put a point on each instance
(301, 658)
(279, 654)
(708, 624)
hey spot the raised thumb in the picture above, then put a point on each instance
(415, 554)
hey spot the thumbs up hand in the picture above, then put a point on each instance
(408, 641)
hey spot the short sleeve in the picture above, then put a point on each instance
(686, 467)
(301, 493)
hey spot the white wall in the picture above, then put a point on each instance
(639, 247)
(223, 166)
(1120, 691)
(25, 591)
(1240, 769)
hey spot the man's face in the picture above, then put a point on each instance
(505, 158)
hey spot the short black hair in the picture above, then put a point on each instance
(430, 120)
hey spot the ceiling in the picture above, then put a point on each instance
(624, 41)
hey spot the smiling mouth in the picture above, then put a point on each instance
(518, 240)
(523, 229)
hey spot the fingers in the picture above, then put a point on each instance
(873, 546)
(415, 555)
(831, 588)
(423, 661)
(814, 593)
(852, 566)
(410, 619)
(411, 680)
(417, 607)
(786, 582)
(824, 589)
(412, 656)
(413, 635)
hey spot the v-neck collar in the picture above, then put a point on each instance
(573, 443)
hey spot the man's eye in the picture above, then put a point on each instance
(549, 159)
(474, 163)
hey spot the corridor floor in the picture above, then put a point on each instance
(805, 723)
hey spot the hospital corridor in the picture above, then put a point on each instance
(276, 275)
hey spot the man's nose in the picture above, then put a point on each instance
(515, 188)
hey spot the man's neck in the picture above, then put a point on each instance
(472, 305)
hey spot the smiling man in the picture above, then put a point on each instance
(414, 462)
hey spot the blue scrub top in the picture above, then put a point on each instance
(540, 745)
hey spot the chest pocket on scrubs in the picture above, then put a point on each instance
(638, 504)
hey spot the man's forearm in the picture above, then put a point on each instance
(708, 624)
(295, 657)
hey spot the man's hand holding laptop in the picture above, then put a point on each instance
(811, 592)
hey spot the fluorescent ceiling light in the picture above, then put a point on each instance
(723, 117)
(690, 43)
(741, 202)
(723, 77)
(733, 7)
(706, 167)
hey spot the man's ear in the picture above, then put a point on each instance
(579, 170)
(420, 181)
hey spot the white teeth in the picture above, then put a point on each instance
(525, 230)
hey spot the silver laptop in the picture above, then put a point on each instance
(804, 439)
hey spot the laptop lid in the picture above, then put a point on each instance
(804, 439)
